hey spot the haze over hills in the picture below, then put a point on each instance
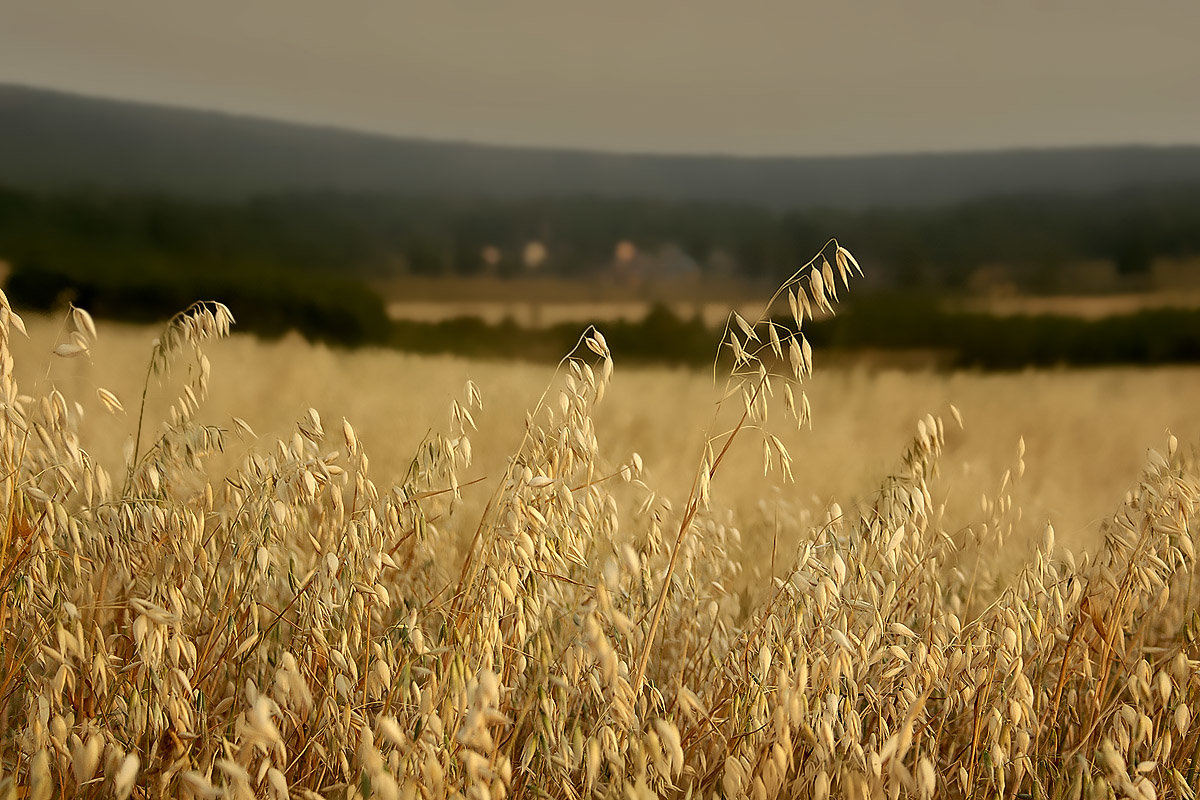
(56, 141)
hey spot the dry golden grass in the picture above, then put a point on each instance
(622, 607)
(1087, 430)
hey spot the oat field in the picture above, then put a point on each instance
(236, 569)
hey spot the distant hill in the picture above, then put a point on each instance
(51, 140)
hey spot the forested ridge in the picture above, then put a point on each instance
(57, 141)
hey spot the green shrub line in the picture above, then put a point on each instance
(268, 303)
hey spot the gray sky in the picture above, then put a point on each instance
(749, 77)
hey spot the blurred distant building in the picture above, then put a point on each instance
(490, 255)
(720, 264)
(673, 262)
(668, 262)
(625, 252)
(534, 254)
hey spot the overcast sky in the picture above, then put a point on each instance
(727, 76)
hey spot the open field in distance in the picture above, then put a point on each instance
(1082, 306)
(539, 302)
(534, 314)
(537, 314)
